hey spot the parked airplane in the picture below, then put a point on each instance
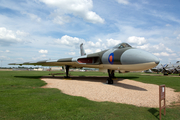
(122, 57)
(157, 69)
(176, 68)
(168, 68)
(147, 71)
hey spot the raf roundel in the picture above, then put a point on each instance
(111, 58)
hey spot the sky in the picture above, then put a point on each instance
(32, 30)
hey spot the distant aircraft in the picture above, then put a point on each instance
(157, 69)
(168, 68)
(121, 57)
(177, 68)
(147, 71)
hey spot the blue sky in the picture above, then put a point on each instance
(52, 29)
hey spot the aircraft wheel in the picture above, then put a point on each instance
(109, 81)
(66, 77)
(165, 73)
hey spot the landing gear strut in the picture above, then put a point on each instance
(111, 75)
(67, 72)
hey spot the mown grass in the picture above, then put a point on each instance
(22, 98)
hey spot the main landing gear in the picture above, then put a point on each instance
(67, 72)
(111, 75)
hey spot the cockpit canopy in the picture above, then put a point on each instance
(122, 45)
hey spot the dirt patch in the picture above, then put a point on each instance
(122, 91)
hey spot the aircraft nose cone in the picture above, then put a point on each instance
(137, 56)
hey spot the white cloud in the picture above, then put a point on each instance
(169, 50)
(136, 40)
(43, 51)
(8, 36)
(92, 50)
(111, 42)
(18, 32)
(99, 40)
(20, 59)
(92, 44)
(99, 44)
(155, 48)
(98, 50)
(4, 58)
(69, 41)
(61, 19)
(145, 46)
(88, 51)
(164, 54)
(178, 37)
(157, 54)
(92, 17)
(174, 54)
(72, 53)
(167, 25)
(161, 47)
(33, 16)
(7, 51)
(80, 8)
(41, 57)
(123, 2)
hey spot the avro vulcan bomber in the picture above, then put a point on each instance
(121, 57)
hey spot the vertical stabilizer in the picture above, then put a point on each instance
(82, 50)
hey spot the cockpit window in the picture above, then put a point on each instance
(122, 45)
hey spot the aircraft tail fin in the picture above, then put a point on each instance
(82, 50)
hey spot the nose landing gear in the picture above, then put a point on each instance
(111, 75)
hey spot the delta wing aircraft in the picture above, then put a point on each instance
(121, 57)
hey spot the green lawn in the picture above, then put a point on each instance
(22, 98)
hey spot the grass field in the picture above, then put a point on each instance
(21, 98)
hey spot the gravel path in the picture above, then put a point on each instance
(122, 91)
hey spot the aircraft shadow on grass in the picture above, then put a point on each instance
(30, 77)
(93, 79)
(102, 80)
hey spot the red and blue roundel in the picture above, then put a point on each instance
(111, 58)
